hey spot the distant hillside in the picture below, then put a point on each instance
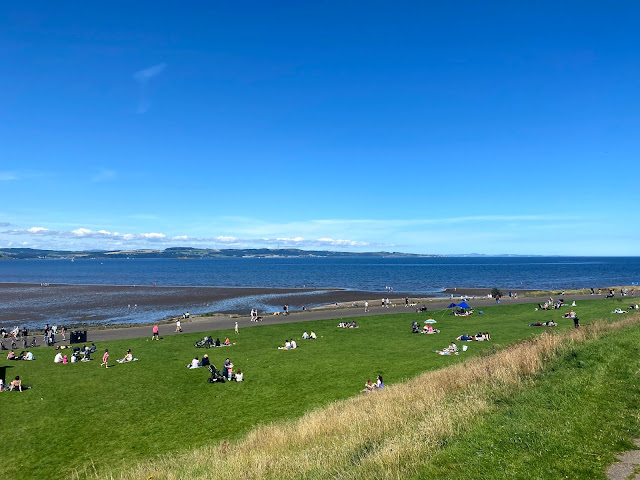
(188, 253)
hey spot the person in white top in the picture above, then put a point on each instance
(58, 358)
(28, 356)
(293, 343)
(195, 363)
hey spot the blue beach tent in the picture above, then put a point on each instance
(464, 305)
(453, 305)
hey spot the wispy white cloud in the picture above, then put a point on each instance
(104, 175)
(447, 220)
(143, 77)
(8, 176)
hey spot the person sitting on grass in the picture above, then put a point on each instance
(368, 386)
(312, 335)
(127, 358)
(227, 342)
(239, 376)
(93, 348)
(217, 344)
(28, 356)
(305, 335)
(57, 358)
(205, 361)
(429, 330)
(379, 382)
(287, 345)
(11, 355)
(293, 344)
(195, 363)
(619, 310)
(65, 360)
(86, 356)
(16, 384)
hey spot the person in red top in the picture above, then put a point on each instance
(155, 333)
(105, 359)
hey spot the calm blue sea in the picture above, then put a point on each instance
(410, 275)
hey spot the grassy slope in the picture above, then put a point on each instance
(80, 414)
(568, 424)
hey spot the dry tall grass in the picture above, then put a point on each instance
(386, 434)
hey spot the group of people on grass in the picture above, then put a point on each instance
(309, 336)
(370, 386)
(14, 386)
(289, 345)
(351, 324)
(209, 342)
(22, 356)
(427, 329)
(478, 337)
(227, 369)
(79, 354)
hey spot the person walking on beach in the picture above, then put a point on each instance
(105, 359)
(366, 306)
(178, 326)
(155, 336)
(237, 328)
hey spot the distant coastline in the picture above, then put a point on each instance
(191, 253)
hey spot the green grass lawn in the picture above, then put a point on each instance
(78, 416)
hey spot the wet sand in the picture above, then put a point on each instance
(34, 304)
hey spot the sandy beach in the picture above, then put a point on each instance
(336, 304)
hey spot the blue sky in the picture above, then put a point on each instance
(450, 127)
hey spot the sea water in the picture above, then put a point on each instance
(417, 275)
